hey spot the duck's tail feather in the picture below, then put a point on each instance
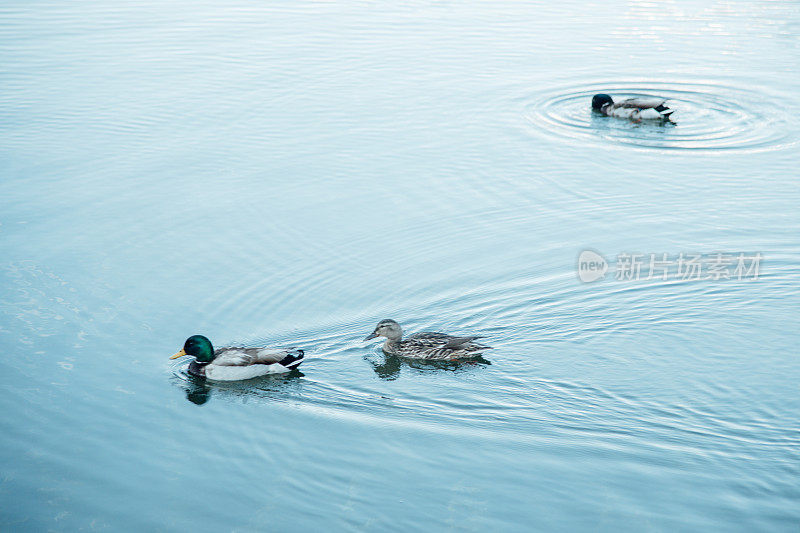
(293, 358)
(664, 111)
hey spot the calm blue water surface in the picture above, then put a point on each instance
(289, 174)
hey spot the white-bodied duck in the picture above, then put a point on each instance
(233, 364)
(635, 109)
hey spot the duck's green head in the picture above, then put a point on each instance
(198, 347)
(599, 100)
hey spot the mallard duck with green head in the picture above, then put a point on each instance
(635, 109)
(428, 345)
(233, 364)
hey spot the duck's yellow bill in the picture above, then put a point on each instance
(179, 354)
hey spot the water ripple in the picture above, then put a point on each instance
(709, 116)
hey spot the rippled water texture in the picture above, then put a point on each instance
(708, 116)
(289, 174)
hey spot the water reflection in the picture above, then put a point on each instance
(388, 366)
(199, 391)
(604, 124)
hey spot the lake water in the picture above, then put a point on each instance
(289, 174)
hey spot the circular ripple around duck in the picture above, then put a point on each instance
(707, 117)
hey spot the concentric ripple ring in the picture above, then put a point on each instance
(708, 116)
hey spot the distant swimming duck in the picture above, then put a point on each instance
(635, 109)
(425, 345)
(232, 364)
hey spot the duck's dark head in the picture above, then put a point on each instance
(198, 347)
(599, 100)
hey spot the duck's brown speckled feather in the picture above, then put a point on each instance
(435, 346)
